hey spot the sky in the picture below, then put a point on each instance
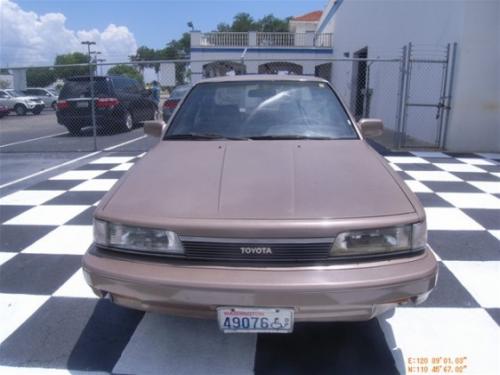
(34, 31)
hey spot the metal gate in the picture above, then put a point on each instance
(426, 88)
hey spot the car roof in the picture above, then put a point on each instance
(263, 77)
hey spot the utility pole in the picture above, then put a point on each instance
(101, 61)
(92, 99)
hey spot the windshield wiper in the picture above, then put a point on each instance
(289, 136)
(203, 136)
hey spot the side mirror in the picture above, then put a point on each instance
(154, 128)
(371, 127)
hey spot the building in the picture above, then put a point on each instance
(430, 70)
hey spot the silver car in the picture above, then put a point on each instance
(48, 96)
(20, 103)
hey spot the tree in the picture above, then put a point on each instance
(243, 22)
(40, 77)
(69, 71)
(126, 70)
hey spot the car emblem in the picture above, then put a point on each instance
(256, 250)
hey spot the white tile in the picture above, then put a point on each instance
(433, 176)
(15, 309)
(417, 186)
(103, 184)
(29, 197)
(472, 200)
(123, 167)
(163, 344)
(496, 233)
(491, 187)
(5, 256)
(406, 160)
(395, 167)
(8, 370)
(430, 154)
(496, 174)
(79, 175)
(443, 333)
(459, 167)
(66, 239)
(47, 215)
(481, 279)
(445, 218)
(112, 160)
(75, 287)
(476, 161)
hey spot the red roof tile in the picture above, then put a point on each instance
(309, 17)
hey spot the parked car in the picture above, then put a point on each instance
(48, 96)
(262, 205)
(175, 97)
(4, 111)
(120, 102)
(20, 103)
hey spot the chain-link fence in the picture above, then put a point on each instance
(88, 107)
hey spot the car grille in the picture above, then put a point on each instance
(258, 252)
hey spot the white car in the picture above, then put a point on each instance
(20, 103)
(48, 96)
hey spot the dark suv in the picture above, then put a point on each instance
(120, 103)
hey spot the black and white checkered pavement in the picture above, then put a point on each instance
(50, 322)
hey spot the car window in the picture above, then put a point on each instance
(179, 92)
(3, 95)
(124, 85)
(81, 89)
(15, 93)
(263, 109)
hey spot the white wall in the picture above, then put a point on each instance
(385, 26)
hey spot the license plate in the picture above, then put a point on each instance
(82, 104)
(250, 319)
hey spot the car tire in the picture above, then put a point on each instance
(20, 109)
(54, 106)
(37, 111)
(128, 122)
(74, 130)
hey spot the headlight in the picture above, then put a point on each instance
(393, 239)
(136, 238)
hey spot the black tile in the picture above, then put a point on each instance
(37, 273)
(444, 160)
(490, 219)
(476, 176)
(465, 245)
(124, 153)
(404, 176)
(110, 174)
(15, 238)
(55, 185)
(72, 333)
(326, 348)
(432, 200)
(95, 167)
(490, 168)
(451, 187)
(85, 218)
(77, 198)
(462, 155)
(8, 212)
(495, 314)
(418, 167)
(449, 292)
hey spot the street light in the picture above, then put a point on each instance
(92, 103)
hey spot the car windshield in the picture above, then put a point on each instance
(262, 110)
(80, 88)
(179, 92)
(15, 93)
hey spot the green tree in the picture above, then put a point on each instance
(126, 70)
(40, 77)
(71, 58)
(243, 22)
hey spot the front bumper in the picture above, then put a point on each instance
(342, 292)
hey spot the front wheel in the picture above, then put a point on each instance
(20, 110)
(37, 111)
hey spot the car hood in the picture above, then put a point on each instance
(257, 180)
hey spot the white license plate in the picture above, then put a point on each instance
(82, 104)
(250, 319)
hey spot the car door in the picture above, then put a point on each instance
(5, 99)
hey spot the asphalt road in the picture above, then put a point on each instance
(32, 144)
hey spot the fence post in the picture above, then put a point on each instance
(400, 101)
(405, 96)
(92, 104)
(449, 93)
